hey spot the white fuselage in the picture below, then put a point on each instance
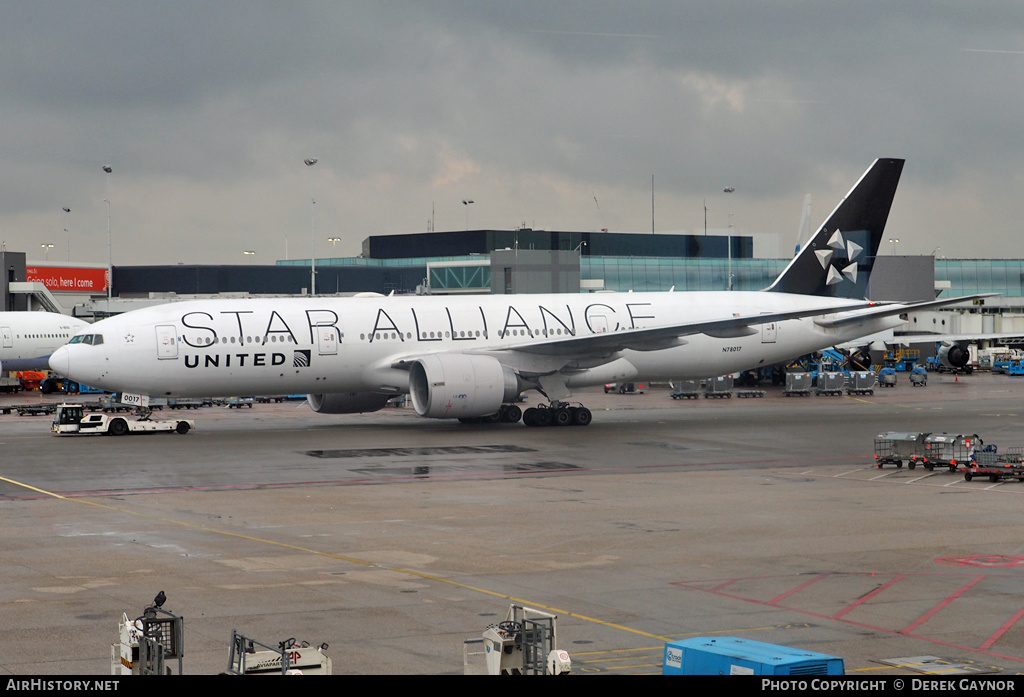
(28, 338)
(336, 345)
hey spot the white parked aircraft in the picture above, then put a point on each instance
(470, 357)
(28, 338)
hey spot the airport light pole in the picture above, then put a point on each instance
(249, 253)
(728, 282)
(47, 246)
(67, 228)
(110, 266)
(310, 161)
(334, 241)
(894, 240)
(467, 202)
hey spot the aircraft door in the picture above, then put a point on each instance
(599, 323)
(769, 332)
(327, 340)
(166, 341)
(8, 337)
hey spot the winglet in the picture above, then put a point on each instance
(836, 262)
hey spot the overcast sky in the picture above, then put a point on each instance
(555, 115)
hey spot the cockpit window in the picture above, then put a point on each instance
(92, 339)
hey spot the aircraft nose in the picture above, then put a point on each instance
(60, 361)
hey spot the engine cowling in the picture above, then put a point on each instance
(456, 385)
(347, 402)
(953, 356)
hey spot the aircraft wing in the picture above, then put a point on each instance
(884, 310)
(657, 338)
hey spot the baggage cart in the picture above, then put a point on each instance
(951, 449)
(686, 389)
(989, 462)
(919, 377)
(798, 384)
(861, 382)
(887, 377)
(831, 383)
(719, 387)
(896, 448)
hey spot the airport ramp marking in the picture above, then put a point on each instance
(714, 586)
(341, 557)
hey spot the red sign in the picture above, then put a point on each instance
(68, 279)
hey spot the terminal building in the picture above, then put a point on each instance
(513, 261)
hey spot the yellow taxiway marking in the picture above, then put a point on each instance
(353, 560)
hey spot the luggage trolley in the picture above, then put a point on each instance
(951, 449)
(896, 448)
(995, 465)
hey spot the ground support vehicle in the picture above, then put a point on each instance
(861, 382)
(72, 419)
(10, 385)
(918, 377)
(996, 465)
(887, 377)
(687, 389)
(798, 384)
(750, 394)
(624, 387)
(951, 449)
(110, 404)
(36, 409)
(185, 402)
(239, 402)
(249, 656)
(719, 387)
(896, 448)
(525, 643)
(831, 383)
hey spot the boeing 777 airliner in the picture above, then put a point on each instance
(470, 357)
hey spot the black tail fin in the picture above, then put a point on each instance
(836, 262)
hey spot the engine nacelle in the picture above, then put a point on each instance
(456, 385)
(953, 355)
(347, 402)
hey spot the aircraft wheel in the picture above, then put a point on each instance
(182, 428)
(543, 417)
(530, 417)
(582, 417)
(118, 427)
(562, 417)
(511, 413)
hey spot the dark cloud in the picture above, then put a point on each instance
(534, 109)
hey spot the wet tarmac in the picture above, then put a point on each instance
(394, 538)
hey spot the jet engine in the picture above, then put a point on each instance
(455, 385)
(347, 402)
(953, 355)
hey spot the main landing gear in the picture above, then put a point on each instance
(558, 414)
(508, 414)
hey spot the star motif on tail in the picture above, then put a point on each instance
(832, 259)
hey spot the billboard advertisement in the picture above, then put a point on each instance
(68, 279)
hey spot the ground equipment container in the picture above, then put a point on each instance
(734, 656)
(896, 448)
(951, 449)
